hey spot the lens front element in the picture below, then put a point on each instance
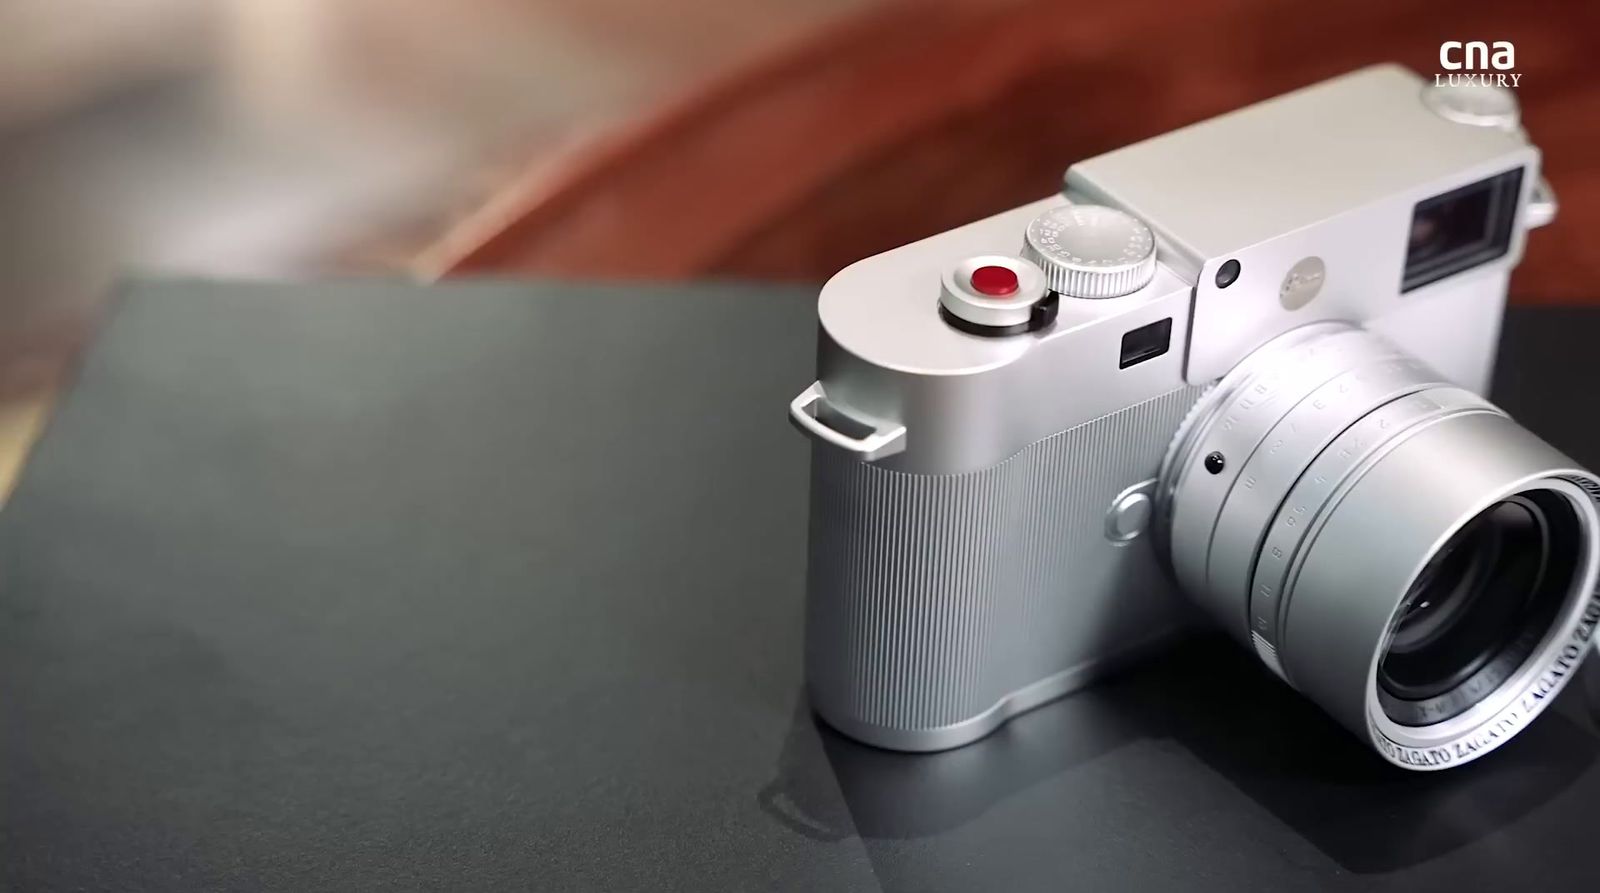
(1480, 608)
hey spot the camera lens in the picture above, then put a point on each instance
(1394, 547)
(1478, 609)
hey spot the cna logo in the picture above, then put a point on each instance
(1476, 62)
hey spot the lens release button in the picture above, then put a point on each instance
(1130, 513)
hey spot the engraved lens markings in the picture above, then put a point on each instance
(1497, 730)
(1243, 420)
(1288, 534)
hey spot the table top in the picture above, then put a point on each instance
(487, 586)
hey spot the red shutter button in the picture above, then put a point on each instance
(995, 281)
(994, 294)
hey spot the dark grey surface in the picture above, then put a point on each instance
(498, 586)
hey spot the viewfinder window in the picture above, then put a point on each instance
(1461, 229)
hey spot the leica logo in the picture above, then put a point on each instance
(1477, 62)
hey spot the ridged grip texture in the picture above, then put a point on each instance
(934, 597)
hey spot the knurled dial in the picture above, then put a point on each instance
(1091, 251)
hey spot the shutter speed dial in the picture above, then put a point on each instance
(1091, 251)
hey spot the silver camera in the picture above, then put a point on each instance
(1236, 367)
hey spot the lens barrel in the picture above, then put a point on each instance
(1391, 545)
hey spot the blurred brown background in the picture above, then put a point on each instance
(627, 138)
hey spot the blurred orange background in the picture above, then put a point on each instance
(754, 138)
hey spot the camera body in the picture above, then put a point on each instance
(995, 403)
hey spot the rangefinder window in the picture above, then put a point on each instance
(1461, 229)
